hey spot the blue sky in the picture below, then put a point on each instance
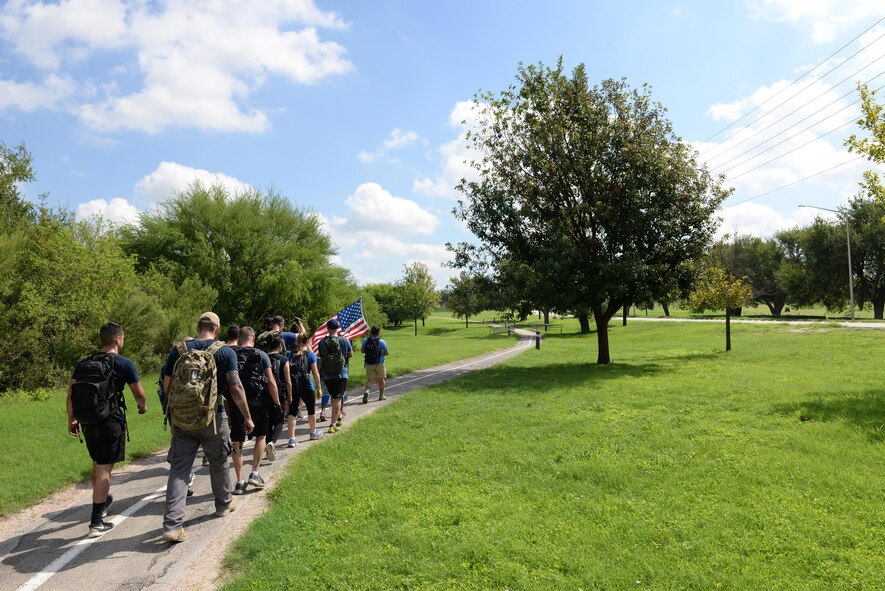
(353, 109)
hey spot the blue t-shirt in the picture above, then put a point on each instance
(225, 361)
(290, 338)
(311, 360)
(124, 372)
(346, 348)
(382, 349)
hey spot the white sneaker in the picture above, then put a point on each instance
(270, 454)
(293, 442)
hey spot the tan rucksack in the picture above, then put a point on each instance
(193, 389)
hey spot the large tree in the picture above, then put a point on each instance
(417, 292)
(467, 296)
(591, 185)
(260, 253)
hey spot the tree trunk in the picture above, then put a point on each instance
(666, 308)
(416, 326)
(584, 319)
(878, 308)
(626, 311)
(422, 321)
(727, 330)
(539, 314)
(603, 357)
(546, 316)
(466, 321)
(776, 308)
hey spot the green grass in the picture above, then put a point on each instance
(760, 312)
(33, 429)
(677, 467)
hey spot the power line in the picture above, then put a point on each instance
(822, 62)
(773, 123)
(801, 131)
(855, 159)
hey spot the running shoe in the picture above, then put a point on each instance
(366, 397)
(316, 435)
(100, 529)
(322, 418)
(292, 442)
(107, 505)
(339, 422)
(256, 480)
(333, 429)
(239, 488)
(270, 453)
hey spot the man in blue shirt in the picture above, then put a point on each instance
(375, 350)
(335, 352)
(214, 439)
(106, 440)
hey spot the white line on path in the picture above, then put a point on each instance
(44, 575)
(55, 566)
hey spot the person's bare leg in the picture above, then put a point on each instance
(292, 427)
(236, 457)
(381, 383)
(101, 482)
(336, 410)
(258, 452)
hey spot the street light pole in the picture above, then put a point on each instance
(848, 240)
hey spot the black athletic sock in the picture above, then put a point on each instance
(97, 509)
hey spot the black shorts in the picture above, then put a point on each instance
(106, 441)
(336, 386)
(309, 397)
(261, 419)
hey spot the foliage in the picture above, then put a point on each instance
(417, 292)
(873, 146)
(589, 184)
(467, 295)
(866, 219)
(262, 255)
(716, 289)
(759, 262)
(389, 302)
(15, 170)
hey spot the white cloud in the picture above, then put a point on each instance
(29, 96)
(117, 210)
(170, 178)
(456, 156)
(398, 140)
(827, 18)
(200, 60)
(755, 219)
(374, 209)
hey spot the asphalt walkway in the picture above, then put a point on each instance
(48, 550)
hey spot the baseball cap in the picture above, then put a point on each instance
(332, 324)
(210, 317)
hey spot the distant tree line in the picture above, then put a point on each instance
(246, 256)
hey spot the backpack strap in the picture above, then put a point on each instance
(182, 348)
(215, 347)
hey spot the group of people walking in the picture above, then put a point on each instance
(214, 394)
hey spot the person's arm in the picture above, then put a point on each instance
(318, 384)
(238, 395)
(349, 348)
(73, 425)
(287, 378)
(140, 397)
(363, 347)
(272, 386)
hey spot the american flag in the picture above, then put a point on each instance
(353, 325)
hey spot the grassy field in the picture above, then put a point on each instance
(33, 432)
(680, 466)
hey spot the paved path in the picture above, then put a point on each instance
(848, 323)
(49, 551)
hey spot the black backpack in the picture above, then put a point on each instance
(94, 397)
(251, 374)
(373, 351)
(299, 370)
(276, 365)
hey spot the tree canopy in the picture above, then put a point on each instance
(590, 185)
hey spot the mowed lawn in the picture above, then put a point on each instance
(680, 466)
(33, 433)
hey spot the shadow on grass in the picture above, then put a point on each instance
(563, 375)
(865, 409)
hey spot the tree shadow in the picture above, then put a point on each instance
(865, 409)
(437, 331)
(564, 375)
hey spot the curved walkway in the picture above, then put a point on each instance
(48, 549)
(738, 320)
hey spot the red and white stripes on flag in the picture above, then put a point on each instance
(353, 325)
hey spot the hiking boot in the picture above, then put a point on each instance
(229, 509)
(256, 480)
(239, 488)
(316, 435)
(107, 505)
(99, 529)
(339, 422)
(270, 453)
(292, 442)
(366, 397)
(175, 536)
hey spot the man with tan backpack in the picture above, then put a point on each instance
(199, 375)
